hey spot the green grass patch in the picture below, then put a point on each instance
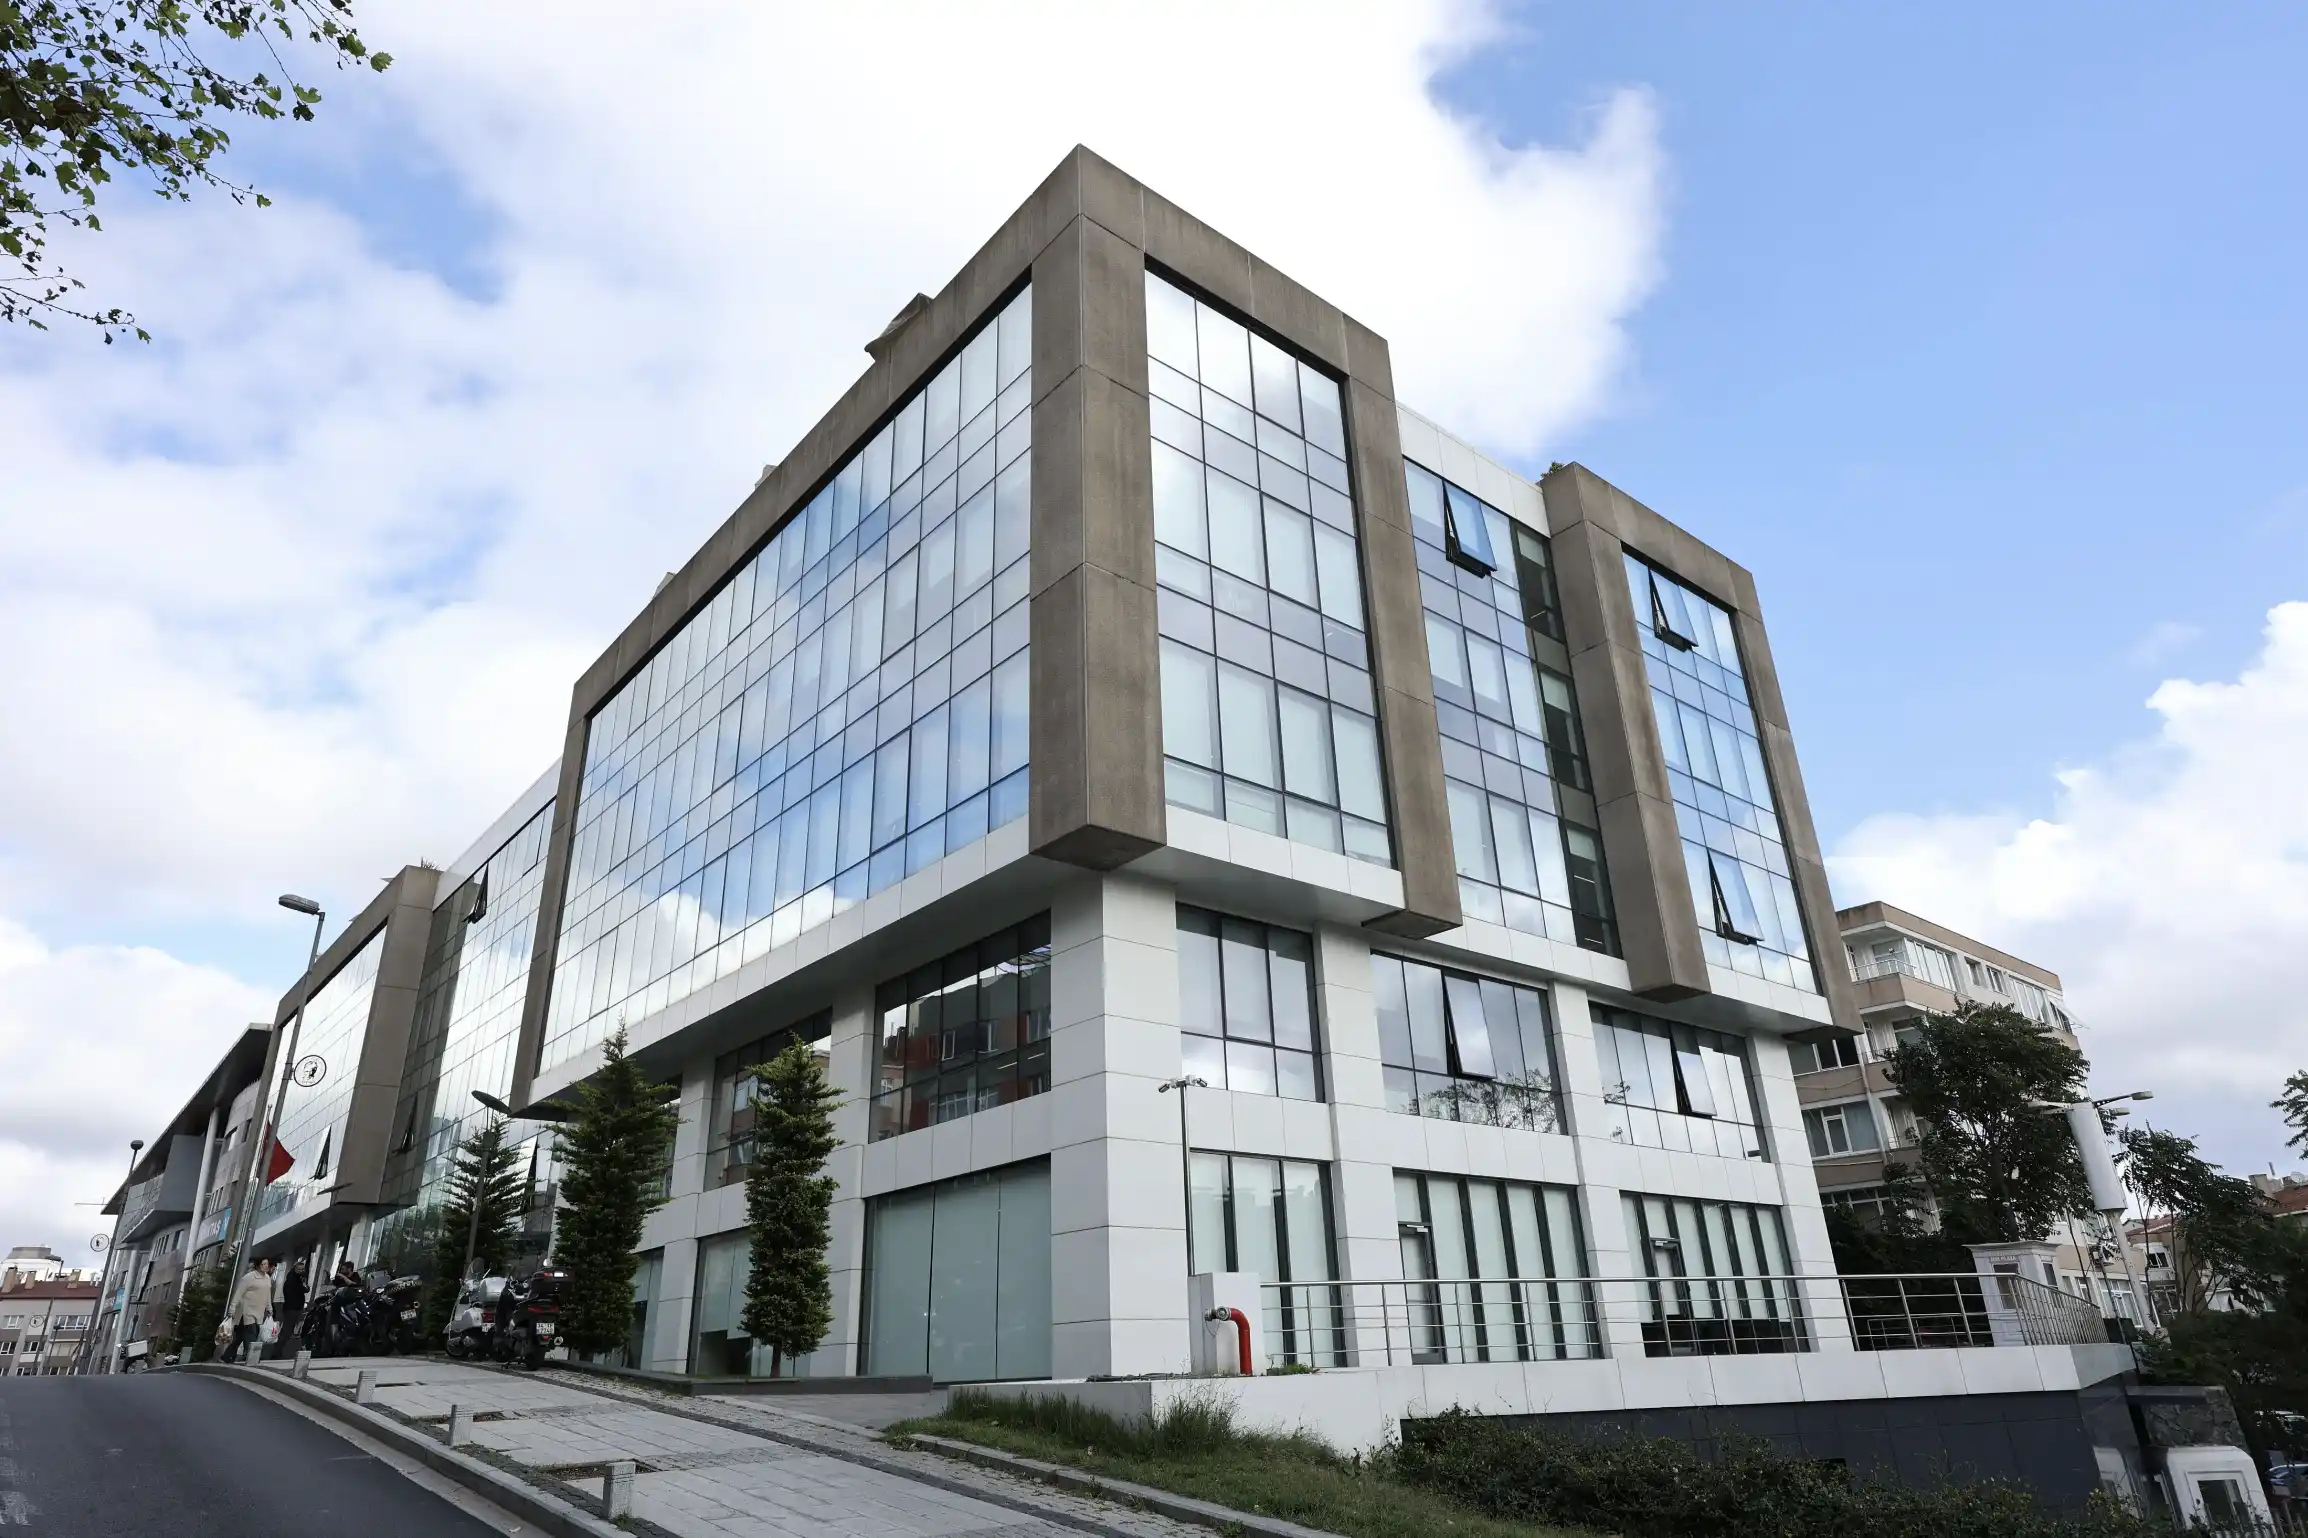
(1194, 1448)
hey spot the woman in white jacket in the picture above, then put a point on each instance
(251, 1301)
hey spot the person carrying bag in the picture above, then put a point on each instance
(251, 1305)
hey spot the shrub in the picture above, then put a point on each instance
(1645, 1487)
(1196, 1427)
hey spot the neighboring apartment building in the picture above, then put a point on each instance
(39, 1263)
(42, 1325)
(1901, 967)
(1119, 688)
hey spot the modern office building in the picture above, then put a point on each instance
(174, 1211)
(1212, 823)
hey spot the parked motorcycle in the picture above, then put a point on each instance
(529, 1318)
(473, 1322)
(370, 1316)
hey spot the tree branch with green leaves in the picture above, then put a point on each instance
(788, 1203)
(94, 89)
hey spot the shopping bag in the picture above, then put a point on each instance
(271, 1330)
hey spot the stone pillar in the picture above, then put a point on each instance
(1117, 1197)
(851, 1057)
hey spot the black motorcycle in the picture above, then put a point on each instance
(364, 1318)
(529, 1318)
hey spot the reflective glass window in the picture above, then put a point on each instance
(1721, 1282)
(466, 1029)
(1676, 1086)
(729, 1136)
(1734, 849)
(1496, 1270)
(1272, 1217)
(1463, 1048)
(1522, 809)
(1269, 717)
(312, 1118)
(1246, 993)
(849, 708)
(966, 1032)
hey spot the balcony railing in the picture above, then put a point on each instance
(1535, 1319)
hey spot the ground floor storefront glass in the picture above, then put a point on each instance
(958, 1278)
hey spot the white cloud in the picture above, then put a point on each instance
(98, 1045)
(296, 595)
(2169, 888)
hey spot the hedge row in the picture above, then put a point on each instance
(1654, 1488)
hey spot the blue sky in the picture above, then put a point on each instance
(1980, 343)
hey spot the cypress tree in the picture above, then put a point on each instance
(486, 1176)
(788, 1197)
(614, 1152)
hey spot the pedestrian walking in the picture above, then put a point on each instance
(294, 1289)
(251, 1301)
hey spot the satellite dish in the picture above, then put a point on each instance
(310, 1070)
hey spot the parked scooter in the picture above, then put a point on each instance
(364, 1316)
(473, 1322)
(529, 1318)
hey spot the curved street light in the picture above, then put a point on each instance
(260, 1149)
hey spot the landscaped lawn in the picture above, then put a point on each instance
(1196, 1450)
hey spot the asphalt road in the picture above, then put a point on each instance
(168, 1453)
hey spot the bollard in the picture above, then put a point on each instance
(460, 1425)
(248, 1354)
(304, 1365)
(365, 1387)
(617, 1492)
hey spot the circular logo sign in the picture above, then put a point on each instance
(97, 1242)
(310, 1070)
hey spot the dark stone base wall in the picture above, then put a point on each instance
(2041, 1440)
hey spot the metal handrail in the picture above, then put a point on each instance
(1419, 1321)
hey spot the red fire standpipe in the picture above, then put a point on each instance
(1241, 1333)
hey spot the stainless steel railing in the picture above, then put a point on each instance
(1528, 1319)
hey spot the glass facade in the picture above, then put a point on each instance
(1269, 717)
(851, 706)
(1676, 1086)
(466, 1028)
(958, 1278)
(1721, 1280)
(1463, 1048)
(1533, 1303)
(1246, 1005)
(312, 1120)
(1271, 1216)
(729, 1141)
(1733, 846)
(965, 1033)
(1522, 805)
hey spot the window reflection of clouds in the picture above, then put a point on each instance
(848, 709)
(1733, 848)
(468, 1021)
(1269, 718)
(336, 1024)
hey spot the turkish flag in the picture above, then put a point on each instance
(279, 1164)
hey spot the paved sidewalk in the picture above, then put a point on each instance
(739, 1466)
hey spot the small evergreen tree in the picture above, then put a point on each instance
(789, 1288)
(485, 1179)
(192, 1322)
(614, 1154)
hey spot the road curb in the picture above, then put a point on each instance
(1181, 1508)
(550, 1513)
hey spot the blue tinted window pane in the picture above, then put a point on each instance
(1261, 581)
(1706, 719)
(802, 678)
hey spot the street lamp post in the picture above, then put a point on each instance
(1182, 1084)
(2108, 1195)
(111, 1258)
(260, 1149)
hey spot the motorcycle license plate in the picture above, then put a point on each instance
(408, 1313)
(544, 1330)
